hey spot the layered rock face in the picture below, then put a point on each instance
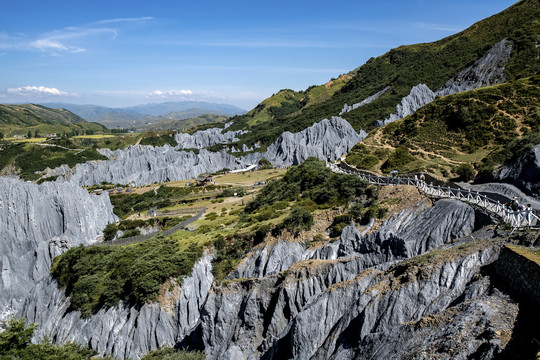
(143, 165)
(486, 71)
(352, 298)
(369, 99)
(524, 172)
(130, 332)
(208, 137)
(38, 222)
(325, 139)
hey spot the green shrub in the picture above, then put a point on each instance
(465, 172)
(299, 219)
(110, 231)
(169, 353)
(15, 344)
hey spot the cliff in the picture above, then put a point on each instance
(143, 165)
(325, 139)
(208, 137)
(38, 222)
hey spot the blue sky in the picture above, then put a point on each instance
(120, 53)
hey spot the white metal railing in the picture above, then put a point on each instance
(516, 218)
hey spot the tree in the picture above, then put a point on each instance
(29, 135)
(36, 134)
(1, 135)
(110, 231)
(16, 337)
(465, 172)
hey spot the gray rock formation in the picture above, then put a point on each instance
(524, 172)
(143, 165)
(486, 71)
(409, 233)
(322, 309)
(369, 99)
(126, 332)
(327, 138)
(38, 222)
(419, 96)
(307, 305)
(208, 137)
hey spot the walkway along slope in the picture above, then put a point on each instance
(139, 238)
(520, 219)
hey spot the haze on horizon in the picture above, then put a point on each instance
(125, 53)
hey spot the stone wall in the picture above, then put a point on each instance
(520, 270)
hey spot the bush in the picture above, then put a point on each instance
(299, 219)
(168, 353)
(465, 172)
(110, 231)
(15, 344)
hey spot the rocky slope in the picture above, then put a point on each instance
(208, 137)
(141, 165)
(486, 71)
(37, 223)
(325, 139)
(524, 172)
(352, 298)
(40, 222)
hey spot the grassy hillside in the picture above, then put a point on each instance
(477, 127)
(20, 119)
(171, 122)
(401, 68)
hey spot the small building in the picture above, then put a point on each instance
(203, 179)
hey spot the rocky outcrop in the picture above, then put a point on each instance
(38, 222)
(208, 137)
(486, 71)
(324, 309)
(325, 139)
(524, 172)
(369, 99)
(126, 332)
(409, 233)
(419, 96)
(336, 300)
(141, 165)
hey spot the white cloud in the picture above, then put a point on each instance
(169, 93)
(117, 20)
(66, 40)
(36, 90)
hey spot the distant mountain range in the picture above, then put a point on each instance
(139, 115)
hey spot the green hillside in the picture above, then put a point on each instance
(484, 127)
(401, 69)
(173, 123)
(20, 119)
